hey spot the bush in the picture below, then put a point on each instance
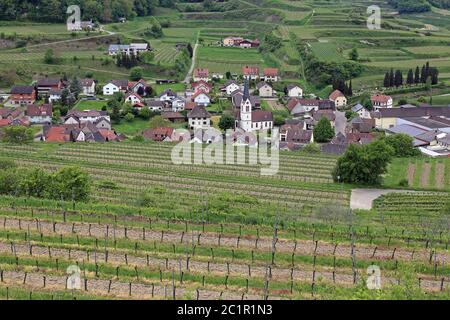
(403, 183)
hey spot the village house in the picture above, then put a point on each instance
(381, 101)
(201, 86)
(270, 75)
(338, 98)
(131, 49)
(199, 118)
(79, 117)
(140, 87)
(230, 86)
(85, 132)
(167, 95)
(88, 87)
(178, 104)
(232, 41)
(201, 98)
(154, 105)
(250, 72)
(294, 136)
(174, 117)
(13, 116)
(265, 90)
(54, 95)
(44, 85)
(302, 107)
(201, 74)
(386, 118)
(361, 111)
(249, 120)
(39, 114)
(134, 99)
(23, 95)
(294, 91)
(114, 86)
(163, 134)
(361, 125)
(326, 113)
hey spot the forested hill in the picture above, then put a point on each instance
(98, 10)
(413, 6)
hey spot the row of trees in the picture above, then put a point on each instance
(97, 10)
(68, 183)
(395, 78)
(343, 86)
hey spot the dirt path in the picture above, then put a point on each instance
(440, 175)
(425, 178)
(302, 247)
(410, 174)
(363, 198)
(188, 77)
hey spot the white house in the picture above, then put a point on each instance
(270, 75)
(381, 101)
(167, 95)
(338, 98)
(199, 118)
(39, 114)
(88, 86)
(201, 98)
(178, 105)
(54, 95)
(361, 111)
(265, 90)
(78, 117)
(115, 86)
(231, 86)
(294, 91)
(133, 99)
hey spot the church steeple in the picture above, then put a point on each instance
(246, 95)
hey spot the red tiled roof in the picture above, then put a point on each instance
(36, 111)
(158, 134)
(271, 72)
(5, 122)
(336, 94)
(380, 98)
(250, 70)
(201, 73)
(57, 134)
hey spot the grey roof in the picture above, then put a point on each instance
(246, 95)
(357, 107)
(429, 123)
(428, 136)
(410, 130)
(118, 47)
(199, 112)
(231, 82)
(337, 149)
(411, 112)
(292, 86)
(262, 84)
(22, 89)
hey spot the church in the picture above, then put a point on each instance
(252, 120)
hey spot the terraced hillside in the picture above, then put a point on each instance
(211, 233)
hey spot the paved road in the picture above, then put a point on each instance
(363, 198)
(340, 122)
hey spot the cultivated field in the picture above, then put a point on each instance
(230, 234)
